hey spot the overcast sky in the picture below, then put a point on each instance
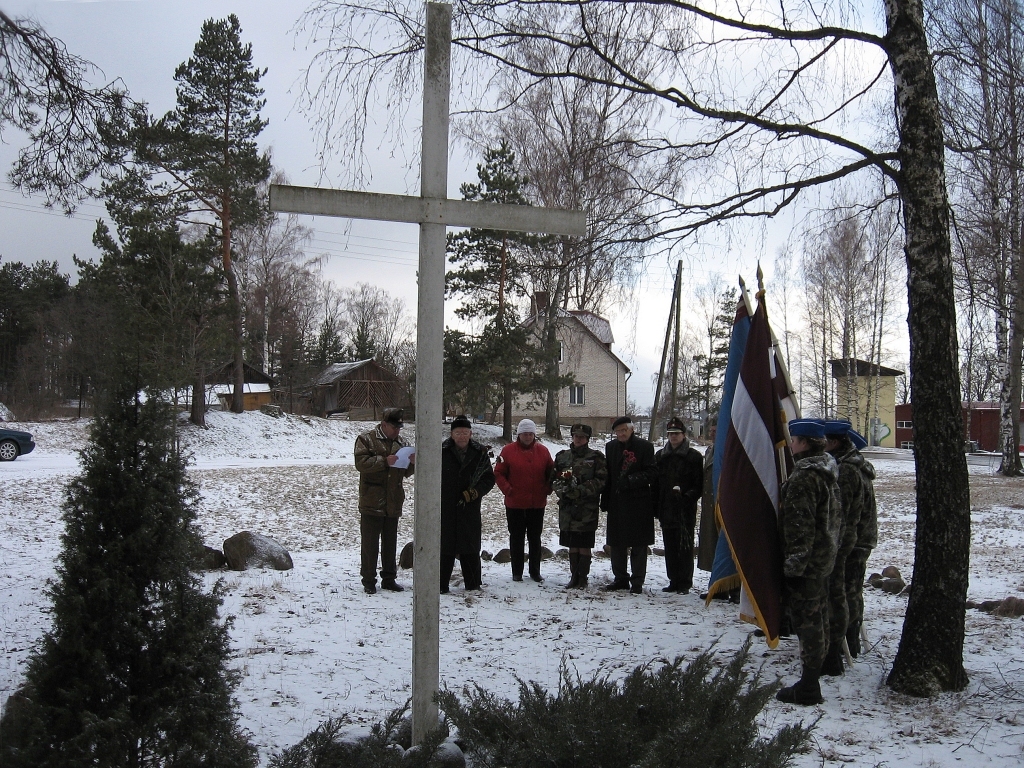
(142, 41)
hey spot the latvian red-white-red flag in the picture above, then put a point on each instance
(749, 484)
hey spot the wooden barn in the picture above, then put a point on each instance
(362, 389)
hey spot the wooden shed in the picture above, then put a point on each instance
(255, 391)
(363, 389)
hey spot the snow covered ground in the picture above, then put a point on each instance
(311, 645)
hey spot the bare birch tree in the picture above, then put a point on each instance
(760, 136)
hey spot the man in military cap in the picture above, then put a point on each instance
(579, 478)
(809, 517)
(857, 538)
(680, 484)
(381, 495)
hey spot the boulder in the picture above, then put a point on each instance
(562, 554)
(211, 559)
(891, 584)
(658, 551)
(486, 556)
(272, 410)
(405, 559)
(504, 556)
(546, 554)
(448, 755)
(402, 734)
(1011, 606)
(891, 572)
(251, 550)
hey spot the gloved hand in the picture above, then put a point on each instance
(573, 492)
(470, 495)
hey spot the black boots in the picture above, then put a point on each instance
(833, 664)
(574, 570)
(853, 639)
(805, 692)
(579, 566)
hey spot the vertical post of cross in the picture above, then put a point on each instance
(429, 375)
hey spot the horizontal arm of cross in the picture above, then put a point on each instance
(419, 210)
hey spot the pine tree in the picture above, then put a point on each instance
(207, 146)
(490, 276)
(133, 671)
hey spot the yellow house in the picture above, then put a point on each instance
(865, 393)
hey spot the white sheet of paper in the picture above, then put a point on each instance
(402, 457)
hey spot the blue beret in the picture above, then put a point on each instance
(807, 428)
(857, 439)
(837, 427)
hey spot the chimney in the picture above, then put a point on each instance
(539, 303)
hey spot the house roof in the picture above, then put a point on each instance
(336, 371)
(861, 368)
(595, 325)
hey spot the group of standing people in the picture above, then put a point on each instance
(827, 518)
(828, 527)
(631, 483)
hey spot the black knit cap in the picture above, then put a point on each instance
(394, 416)
(621, 420)
(461, 421)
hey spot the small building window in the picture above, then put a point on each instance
(560, 352)
(904, 425)
(577, 394)
(909, 444)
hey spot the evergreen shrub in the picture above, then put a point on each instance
(662, 715)
(133, 671)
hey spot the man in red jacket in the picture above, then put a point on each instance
(523, 473)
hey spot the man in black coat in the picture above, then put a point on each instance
(466, 475)
(628, 499)
(680, 483)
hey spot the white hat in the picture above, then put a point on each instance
(526, 425)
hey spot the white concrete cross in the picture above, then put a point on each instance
(433, 211)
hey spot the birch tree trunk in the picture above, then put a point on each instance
(930, 655)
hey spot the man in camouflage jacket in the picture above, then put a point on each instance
(859, 537)
(853, 491)
(381, 496)
(809, 520)
(579, 478)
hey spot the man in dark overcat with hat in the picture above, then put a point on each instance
(857, 538)
(680, 485)
(381, 495)
(466, 477)
(809, 517)
(628, 499)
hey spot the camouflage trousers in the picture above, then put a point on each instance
(856, 567)
(838, 597)
(806, 603)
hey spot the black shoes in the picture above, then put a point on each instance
(806, 691)
(517, 578)
(637, 590)
(615, 585)
(392, 586)
(833, 664)
(537, 577)
(369, 589)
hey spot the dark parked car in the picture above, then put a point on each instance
(13, 443)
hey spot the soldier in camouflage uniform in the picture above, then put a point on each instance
(842, 442)
(579, 477)
(809, 519)
(857, 562)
